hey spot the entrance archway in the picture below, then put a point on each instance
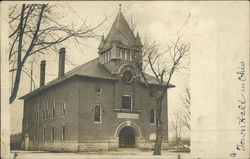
(127, 137)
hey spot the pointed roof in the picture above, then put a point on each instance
(120, 31)
(101, 43)
(138, 40)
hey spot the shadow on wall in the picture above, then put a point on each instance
(15, 141)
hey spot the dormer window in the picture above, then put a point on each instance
(107, 56)
(125, 54)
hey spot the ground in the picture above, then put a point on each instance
(123, 154)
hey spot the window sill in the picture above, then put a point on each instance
(97, 122)
(152, 124)
(128, 110)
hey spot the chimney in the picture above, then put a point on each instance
(61, 68)
(42, 72)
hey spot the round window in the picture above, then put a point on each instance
(98, 89)
(127, 77)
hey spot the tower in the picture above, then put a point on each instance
(120, 48)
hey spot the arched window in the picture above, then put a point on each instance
(152, 116)
(98, 113)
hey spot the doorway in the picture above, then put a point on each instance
(127, 137)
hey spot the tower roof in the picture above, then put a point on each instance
(138, 41)
(120, 31)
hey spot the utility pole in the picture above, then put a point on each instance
(31, 74)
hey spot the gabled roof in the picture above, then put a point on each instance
(120, 31)
(91, 69)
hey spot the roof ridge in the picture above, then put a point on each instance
(73, 70)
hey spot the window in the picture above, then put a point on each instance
(109, 53)
(152, 116)
(43, 115)
(63, 109)
(63, 132)
(37, 115)
(120, 53)
(97, 113)
(128, 56)
(123, 54)
(53, 112)
(151, 94)
(52, 133)
(46, 113)
(107, 56)
(98, 89)
(126, 102)
(43, 134)
(131, 56)
(104, 57)
(26, 125)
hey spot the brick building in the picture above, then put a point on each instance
(101, 105)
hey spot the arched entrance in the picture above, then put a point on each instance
(127, 137)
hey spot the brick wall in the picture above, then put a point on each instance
(67, 93)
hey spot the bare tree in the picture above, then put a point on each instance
(163, 65)
(35, 30)
(177, 125)
(185, 113)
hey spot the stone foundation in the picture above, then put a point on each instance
(89, 147)
(67, 146)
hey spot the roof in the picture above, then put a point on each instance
(120, 31)
(91, 69)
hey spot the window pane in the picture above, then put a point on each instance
(128, 56)
(152, 116)
(120, 53)
(97, 113)
(63, 133)
(52, 133)
(43, 134)
(63, 109)
(123, 54)
(126, 102)
(53, 112)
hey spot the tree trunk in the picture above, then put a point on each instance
(16, 85)
(19, 56)
(158, 141)
(159, 128)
